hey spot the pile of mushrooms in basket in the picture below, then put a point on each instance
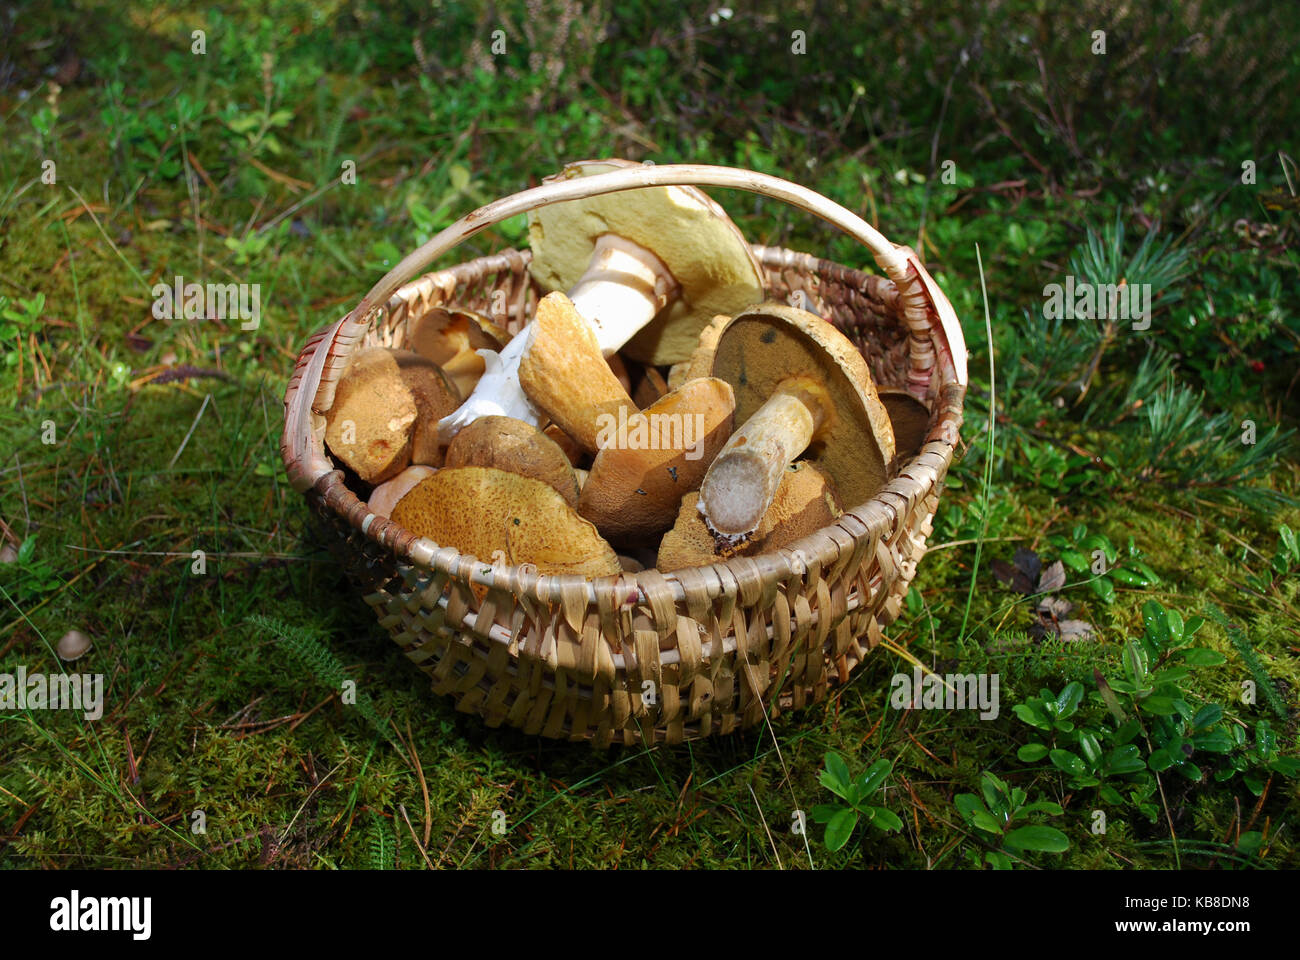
(655, 411)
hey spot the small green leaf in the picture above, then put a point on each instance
(1158, 705)
(840, 829)
(1068, 762)
(1201, 657)
(1032, 752)
(838, 770)
(1207, 716)
(1068, 702)
(883, 819)
(1090, 747)
(1103, 588)
(1075, 561)
(1038, 838)
(984, 821)
(874, 777)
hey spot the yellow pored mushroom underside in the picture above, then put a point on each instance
(501, 517)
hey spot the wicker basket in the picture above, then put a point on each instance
(647, 656)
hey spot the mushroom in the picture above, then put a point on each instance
(451, 337)
(72, 645)
(369, 425)
(564, 374)
(435, 396)
(805, 502)
(910, 419)
(498, 516)
(386, 496)
(649, 459)
(517, 447)
(803, 389)
(665, 259)
(651, 387)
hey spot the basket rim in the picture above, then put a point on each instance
(859, 527)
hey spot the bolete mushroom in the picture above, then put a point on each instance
(451, 337)
(516, 447)
(650, 266)
(386, 496)
(502, 517)
(385, 413)
(565, 375)
(802, 389)
(369, 425)
(805, 502)
(649, 459)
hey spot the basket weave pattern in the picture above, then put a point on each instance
(649, 656)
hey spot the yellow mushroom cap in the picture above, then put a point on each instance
(497, 516)
(761, 347)
(693, 236)
(516, 447)
(449, 336)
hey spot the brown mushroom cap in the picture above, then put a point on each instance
(910, 419)
(497, 516)
(650, 459)
(435, 397)
(370, 423)
(564, 373)
(692, 235)
(449, 336)
(516, 447)
(805, 502)
(760, 348)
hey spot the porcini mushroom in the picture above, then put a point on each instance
(516, 447)
(385, 413)
(369, 425)
(649, 459)
(805, 502)
(451, 337)
(650, 266)
(386, 496)
(564, 374)
(802, 389)
(502, 517)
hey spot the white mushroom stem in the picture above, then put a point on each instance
(743, 480)
(624, 287)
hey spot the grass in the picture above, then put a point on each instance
(225, 675)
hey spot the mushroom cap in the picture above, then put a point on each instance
(388, 494)
(435, 397)
(910, 419)
(372, 396)
(564, 373)
(638, 477)
(693, 236)
(449, 336)
(805, 501)
(516, 447)
(72, 645)
(497, 516)
(761, 347)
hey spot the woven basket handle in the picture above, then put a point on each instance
(936, 335)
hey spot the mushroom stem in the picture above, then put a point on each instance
(743, 480)
(624, 286)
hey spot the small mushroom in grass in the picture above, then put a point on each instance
(370, 424)
(8, 553)
(502, 517)
(910, 419)
(649, 265)
(649, 459)
(805, 502)
(802, 389)
(451, 337)
(385, 496)
(73, 645)
(564, 374)
(516, 447)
